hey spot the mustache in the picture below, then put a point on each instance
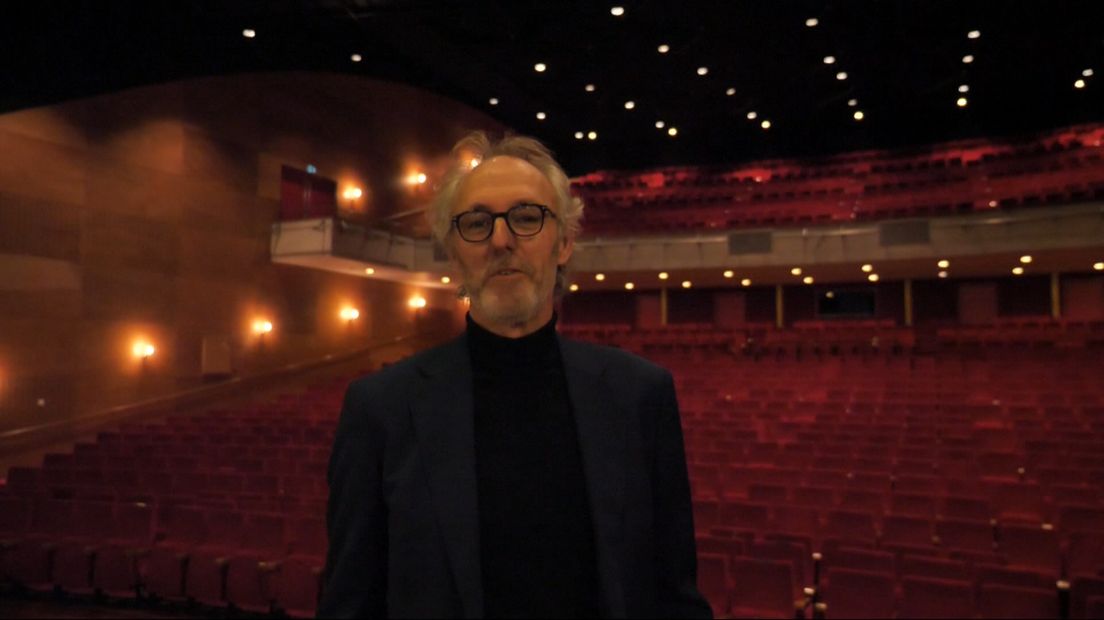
(499, 265)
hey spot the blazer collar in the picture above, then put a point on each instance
(443, 418)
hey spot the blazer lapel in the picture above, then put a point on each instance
(602, 435)
(443, 416)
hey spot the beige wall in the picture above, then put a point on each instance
(146, 214)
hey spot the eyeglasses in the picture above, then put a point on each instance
(524, 220)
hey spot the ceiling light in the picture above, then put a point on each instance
(968, 58)
(659, 124)
(1017, 271)
(752, 115)
(796, 271)
(943, 264)
(493, 101)
(830, 294)
(942, 274)
(1087, 73)
(765, 124)
(599, 276)
(663, 275)
(859, 115)
(1098, 266)
(867, 268)
(421, 178)
(965, 88)
(663, 48)
(808, 280)
(672, 131)
(728, 273)
(973, 34)
(993, 203)
(1079, 83)
(630, 105)
(445, 279)
(629, 286)
(852, 103)
(812, 22)
(873, 277)
(540, 67)
(589, 88)
(592, 135)
(573, 288)
(617, 11)
(686, 284)
(703, 70)
(829, 60)
(730, 92)
(745, 282)
(842, 75)
(1026, 259)
(579, 135)
(541, 116)
(249, 33)
(356, 58)
(473, 162)
(961, 102)
(369, 271)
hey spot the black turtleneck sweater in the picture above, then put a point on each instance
(535, 532)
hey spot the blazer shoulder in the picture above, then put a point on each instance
(618, 361)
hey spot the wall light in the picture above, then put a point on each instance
(745, 282)
(352, 193)
(417, 302)
(369, 271)
(599, 276)
(143, 350)
(262, 327)
(943, 264)
(687, 284)
(1098, 266)
(728, 273)
(629, 286)
(445, 279)
(350, 314)
(573, 288)
(873, 277)
(663, 275)
(867, 268)
(1026, 259)
(1018, 271)
(796, 271)
(808, 280)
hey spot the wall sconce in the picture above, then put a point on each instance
(143, 351)
(262, 327)
(349, 315)
(352, 193)
(417, 302)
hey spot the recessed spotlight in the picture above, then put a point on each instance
(993, 204)
(867, 268)
(943, 274)
(765, 124)
(943, 264)
(663, 275)
(540, 67)
(249, 33)
(745, 282)
(812, 22)
(672, 131)
(1087, 73)
(541, 116)
(703, 70)
(829, 60)
(629, 286)
(630, 105)
(493, 101)
(663, 48)
(579, 135)
(589, 88)
(369, 271)
(1017, 271)
(617, 11)
(752, 115)
(961, 102)
(599, 276)
(730, 92)
(592, 135)
(873, 277)
(964, 88)
(728, 273)
(660, 124)
(573, 288)
(852, 103)
(967, 59)
(796, 271)
(973, 34)
(1026, 259)
(687, 284)
(1098, 266)
(445, 279)
(859, 115)
(1079, 83)
(356, 58)
(842, 75)
(808, 280)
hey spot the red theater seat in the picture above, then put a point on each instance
(859, 594)
(999, 601)
(936, 598)
(761, 589)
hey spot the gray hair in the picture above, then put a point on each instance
(477, 146)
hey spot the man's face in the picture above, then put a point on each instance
(510, 279)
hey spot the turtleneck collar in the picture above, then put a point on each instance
(489, 350)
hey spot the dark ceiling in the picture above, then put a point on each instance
(903, 60)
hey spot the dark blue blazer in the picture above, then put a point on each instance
(403, 516)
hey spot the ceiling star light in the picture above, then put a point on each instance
(728, 273)
(1017, 271)
(541, 116)
(660, 124)
(629, 286)
(867, 268)
(617, 11)
(356, 58)
(973, 34)
(703, 70)
(965, 88)
(589, 88)
(752, 115)
(599, 276)
(808, 280)
(1079, 83)
(249, 33)
(829, 60)
(493, 101)
(730, 92)
(967, 59)
(540, 67)
(745, 282)
(852, 103)
(765, 124)
(873, 277)
(579, 135)
(663, 48)
(630, 105)
(842, 75)
(812, 22)
(663, 275)
(592, 135)
(961, 102)
(687, 284)
(859, 115)
(672, 131)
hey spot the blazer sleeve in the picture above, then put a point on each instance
(355, 575)
(677, 560)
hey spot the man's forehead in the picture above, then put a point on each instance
(504, 178)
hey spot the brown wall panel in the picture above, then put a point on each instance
(31, 227)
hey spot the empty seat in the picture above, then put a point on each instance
(965, 535)
(713, 581)
(936, 598)
(1031, 547)
(761, 589)
(1000, 601)
(859, 594)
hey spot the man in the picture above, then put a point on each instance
(510, 472)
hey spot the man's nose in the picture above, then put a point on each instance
(502, 237)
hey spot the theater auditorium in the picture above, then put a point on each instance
(865, 238)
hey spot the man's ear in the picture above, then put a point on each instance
(567, 246)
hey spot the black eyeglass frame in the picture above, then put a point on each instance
(545, 211)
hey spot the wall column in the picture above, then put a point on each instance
(1055, 296)
(908, 303)
(663, 306)
(779, 311)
